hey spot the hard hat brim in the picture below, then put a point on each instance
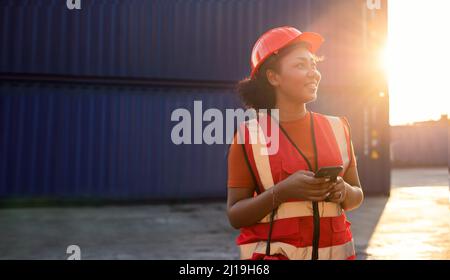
(315, 40)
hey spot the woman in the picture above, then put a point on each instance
(281, 209)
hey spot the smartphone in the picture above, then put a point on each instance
(330, 171)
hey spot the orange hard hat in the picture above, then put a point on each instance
(277, 38)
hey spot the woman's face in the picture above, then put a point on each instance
(297, 79)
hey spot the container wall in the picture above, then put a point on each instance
(170, 39)
(105, 142)
(86, 95)
(76, 141)
(423, 145)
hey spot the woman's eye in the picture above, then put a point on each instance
(303, 65)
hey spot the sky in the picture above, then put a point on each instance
(417, 60)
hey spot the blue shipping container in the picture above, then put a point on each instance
(86, 95)
(169, 39)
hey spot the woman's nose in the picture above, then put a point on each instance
(314, 73)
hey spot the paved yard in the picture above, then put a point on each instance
(414, 223)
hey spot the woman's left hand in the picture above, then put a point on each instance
(339, 191)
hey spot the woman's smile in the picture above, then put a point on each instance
(311, 85)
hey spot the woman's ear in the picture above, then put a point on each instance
(272, 77)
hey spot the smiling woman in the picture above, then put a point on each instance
(282, 210)
(417, 60)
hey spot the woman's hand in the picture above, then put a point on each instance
(338, 191)
(303, 185)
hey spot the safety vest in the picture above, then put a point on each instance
(293, 230)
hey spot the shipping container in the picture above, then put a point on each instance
(86, 96)
(164, 39)
(105, 142)
(420, 144)
(92, 141)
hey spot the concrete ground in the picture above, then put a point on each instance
(414, 223)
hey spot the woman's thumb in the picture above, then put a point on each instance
(307, 172)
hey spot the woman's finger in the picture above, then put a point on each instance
(339, 180)
(315, 181)
(336, 198)
(307, 172)
(327, 187)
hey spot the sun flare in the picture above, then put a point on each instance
(414, 60)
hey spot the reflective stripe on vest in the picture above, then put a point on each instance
(260, 154)
(342, 141)
(336, 150)
(337, 252)
(302, 209)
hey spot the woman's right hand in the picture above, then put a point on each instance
(303, 185)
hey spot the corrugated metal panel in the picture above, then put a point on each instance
(104, 142)
(114, 142)
(420, 145)
(170, 39)
(72, 140)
